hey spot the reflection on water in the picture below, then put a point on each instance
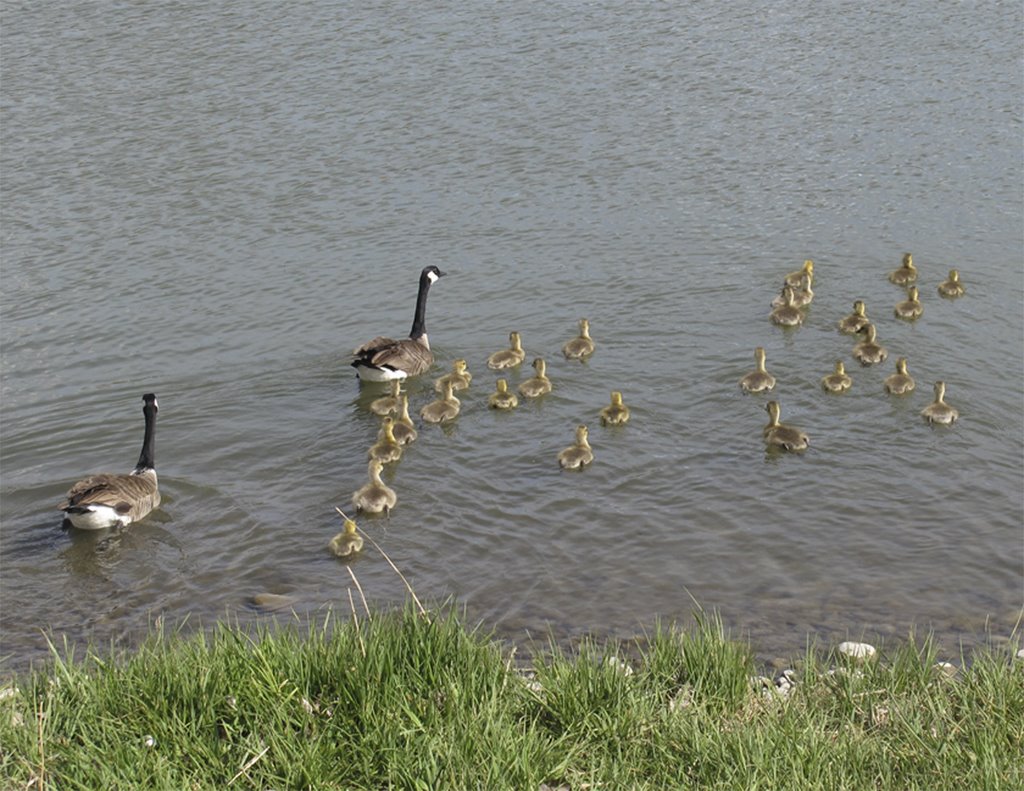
(217, 205)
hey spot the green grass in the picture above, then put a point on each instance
(400, 701)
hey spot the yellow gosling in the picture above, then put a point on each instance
(376, 496)
(404, 429)
(616, 413)
(906, 274)
(781, 435)
(758, 380)
(900, 383)
(445, 408)
(537, 385)
(911, 308)
(348, 542)
(787, 315)
(579, 454)
(796, 278)
(837, 382)
(939, 411)
(386, 449)
(459, 377)
(952, 288)
(386, 405)
(869, 351)
(581, 346)
(502, 398)
(856, 321)
(508, 358)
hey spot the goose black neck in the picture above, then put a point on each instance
(419, 320)
(146, 458)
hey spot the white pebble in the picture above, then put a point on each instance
(857, 650)
(149, 741)
(1020, 654)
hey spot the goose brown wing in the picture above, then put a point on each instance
(407, 355)
(120, 492)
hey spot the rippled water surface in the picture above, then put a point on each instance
(216, 202)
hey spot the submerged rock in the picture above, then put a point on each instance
(857, 650)
(270, 602)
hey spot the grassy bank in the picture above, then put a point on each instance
(400, 701)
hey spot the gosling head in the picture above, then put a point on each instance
(954, 276)
(940, 390)
(581, 435)
(870, 333)
(616, 398)
(584, 328)
(459, 366)
(516, 341)
(809, 266)
(540, 366)
(502, 385)
(772, 408)
(840, 368)
(787, 295)
(759, 355)
(912, 294)
(901, 366)
(858, 308)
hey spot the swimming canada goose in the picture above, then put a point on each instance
(952, 288)
(758, 380)
(375, 496)
(616, 413)
(856, 321)
(444, 408)
(939, 411)
(536, 385)
(868, 352)
(502, 398)
(387, 448)
(781, 435)
(787, 315)
(459, 377)
(404, 429)
(508, 358)
(579, 454)
(900, 382)
(110, 499)
(906, 274)
(385, 405)
(838, 381)
(795, 279)
(582, 345)
(348, 542)
(383, 359)
(911, 308)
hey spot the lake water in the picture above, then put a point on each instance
(218, 201)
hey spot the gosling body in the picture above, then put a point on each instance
(579, 454)
(376, 496)
(869, 351)
(582, 346)
(907, 273)
(387, 448)
(501, 398)
(901, 382)
(510, 357)
(911, 308)
(856, 321)
(952, 288)
(386, 405)
(787, 314)
(616, 413)
(796, 278)
(758, 380)
(348, 542)
(404, 429)
(782, 435)
(537, 385)
(939, 411)
(443, 409)
(838, 381)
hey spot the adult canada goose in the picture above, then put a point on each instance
(508, 358)
(110, 499)
(385, 405)
(952, 288)
(616, 413)
(787, 315)
(375, 496)
(444, 408)
(911, 308)
(502, 398)
(536, 385)
(404, 429)
(868, 351)
(383, 359)
(939, 411)
(856, 321)
(795, 279)
(906, 274)
(387, 448)
(837, 382)
(758, 380)
(579, 454)
(582, 345)
(781, 435)
(348, 542)
(459, 377)
(900, 382)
